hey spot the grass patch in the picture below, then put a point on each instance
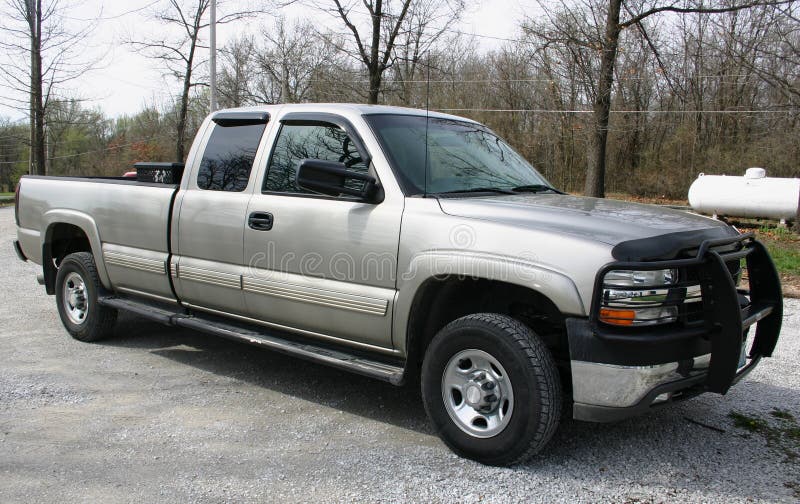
(783, 245)
(786, 257)
(6, 199)
(794, 487)
(782, 414)
(748, 423)
(782, 435)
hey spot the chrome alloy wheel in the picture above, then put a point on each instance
(477, 393)
(75, 298)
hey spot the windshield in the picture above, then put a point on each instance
(462, 156)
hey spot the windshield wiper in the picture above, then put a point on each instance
(478, 190)
(536, 188)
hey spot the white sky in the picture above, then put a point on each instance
(127, 81)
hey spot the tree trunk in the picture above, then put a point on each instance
(183, 112)
(374, 85)
(286, 92)
(36, 109)
(374, 65)
(30, 6)
(596, 162)
(41, 159)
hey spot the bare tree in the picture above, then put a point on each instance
(44, 53)
(425, 24)
(283, 64)
(289, 61)
(596, 168)
(178, 47)
(237, 72)
(607, 45)
(775, 56)
(374, 47)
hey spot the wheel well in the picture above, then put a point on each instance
(61, 240)
(440, 301)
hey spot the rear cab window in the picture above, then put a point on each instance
(228, 157)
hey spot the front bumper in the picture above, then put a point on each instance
(618, 373)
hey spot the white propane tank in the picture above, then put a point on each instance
(753, 195)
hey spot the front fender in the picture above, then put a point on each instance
(556, 286)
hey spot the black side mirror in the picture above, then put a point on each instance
(334, 179)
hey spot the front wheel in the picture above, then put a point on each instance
(491, 389)
(77, 289)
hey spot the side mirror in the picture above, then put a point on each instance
(334, 179)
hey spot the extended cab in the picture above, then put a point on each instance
(405, 245)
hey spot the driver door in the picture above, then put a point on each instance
(323, 266)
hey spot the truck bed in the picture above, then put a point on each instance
(124, 212)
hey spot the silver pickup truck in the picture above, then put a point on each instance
(412, 246)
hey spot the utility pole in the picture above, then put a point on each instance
(213, 59)
(31, 17)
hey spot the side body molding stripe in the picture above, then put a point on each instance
(284, 290)
(210, 277)
(331, 299)
(135, 262)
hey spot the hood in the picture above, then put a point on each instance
(604, 220)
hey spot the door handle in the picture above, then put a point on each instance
(260, 221)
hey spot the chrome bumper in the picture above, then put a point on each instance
(616, 386)
(609, 393)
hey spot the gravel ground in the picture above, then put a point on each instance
(160, 414)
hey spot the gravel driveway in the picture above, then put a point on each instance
(161, 414)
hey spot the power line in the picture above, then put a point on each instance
(523, 40)
(547, 81)
(116, 16)
(114, 147)
(550, 111)
(106, 149)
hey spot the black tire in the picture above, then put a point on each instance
(98, 322)
(534, 381)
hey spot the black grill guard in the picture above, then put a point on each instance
(727, 312)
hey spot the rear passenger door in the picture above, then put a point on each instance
(208, 261)
(325, 266)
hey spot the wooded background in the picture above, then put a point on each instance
(694, 86)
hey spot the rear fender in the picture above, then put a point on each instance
(82, 221)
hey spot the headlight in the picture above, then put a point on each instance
(641, 298)
(632, 278)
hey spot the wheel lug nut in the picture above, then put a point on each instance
(490, 398)
(488, 386)
(480, 376)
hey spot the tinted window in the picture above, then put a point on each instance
(308, 141)
(229, 156)
(460, 155)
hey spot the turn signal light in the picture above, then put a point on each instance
(617, 317)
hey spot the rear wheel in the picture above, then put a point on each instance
(77, 289)
(491, 389)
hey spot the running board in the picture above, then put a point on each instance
(256, 335)
(143, 309)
